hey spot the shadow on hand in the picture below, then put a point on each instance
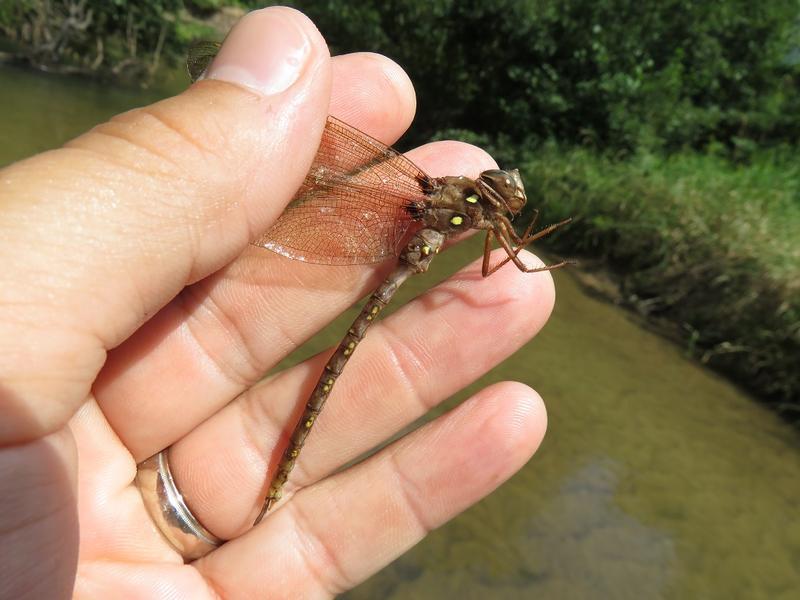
(38, 513)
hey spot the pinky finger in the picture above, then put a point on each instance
(335, 534)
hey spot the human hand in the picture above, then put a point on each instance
(134, 317)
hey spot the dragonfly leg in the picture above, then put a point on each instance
(487, 252)
(510, 228)
(503, 239)
(486, 270)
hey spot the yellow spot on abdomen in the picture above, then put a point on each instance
(373, 311)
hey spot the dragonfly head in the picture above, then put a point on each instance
(507, 185)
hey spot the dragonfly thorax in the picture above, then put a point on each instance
(459, 203)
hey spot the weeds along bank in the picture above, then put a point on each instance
(712, 247)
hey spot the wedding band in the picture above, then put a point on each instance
(169, 511)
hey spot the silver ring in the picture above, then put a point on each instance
(169, 511)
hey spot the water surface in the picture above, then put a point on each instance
(39, 112)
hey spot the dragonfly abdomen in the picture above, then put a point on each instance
(415, 258)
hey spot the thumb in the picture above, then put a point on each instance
(98, 235)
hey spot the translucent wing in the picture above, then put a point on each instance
(356, 204)
(199, 56)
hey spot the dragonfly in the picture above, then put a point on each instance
(363, 202)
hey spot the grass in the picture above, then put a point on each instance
(709, 246)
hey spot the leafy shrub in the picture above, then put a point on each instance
(696, 242)
(619, 74)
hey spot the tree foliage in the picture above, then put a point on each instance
(611, 73)
(117, 37)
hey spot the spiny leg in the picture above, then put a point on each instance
(510, 228)
(503, 239)
(487, 252)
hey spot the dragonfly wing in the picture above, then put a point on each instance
(199, 56)
(356, 205)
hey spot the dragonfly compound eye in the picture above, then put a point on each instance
(508, 186)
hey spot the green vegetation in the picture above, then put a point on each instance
(117, 39)
(610, 74)
(668, 127)
(695, 241)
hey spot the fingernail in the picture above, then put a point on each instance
(266, 50)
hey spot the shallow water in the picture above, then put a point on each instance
(657, 479)
(39, 112)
